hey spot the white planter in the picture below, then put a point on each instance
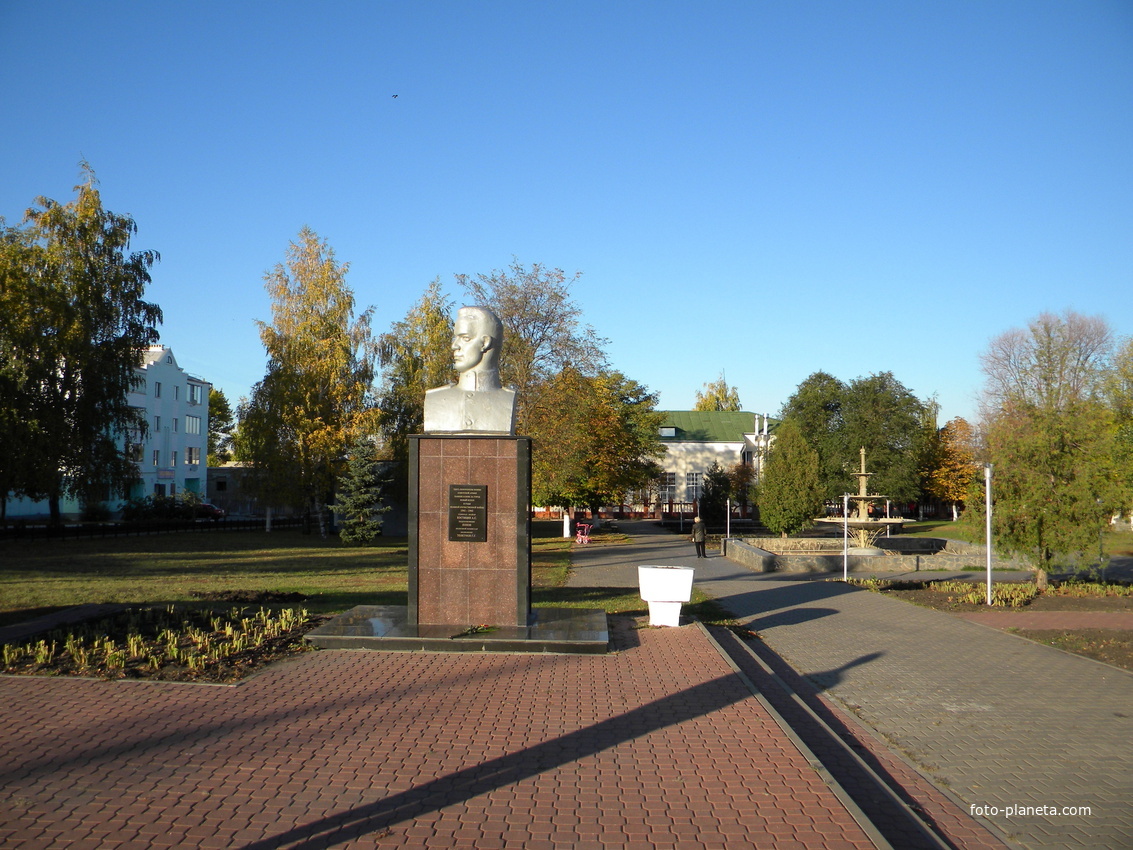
(665, 588)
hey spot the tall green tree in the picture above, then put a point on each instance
(717, 395)
(816, 407)
(1118, 394)
(595, 439)
(19, 334)
(882, 415)
(74, 325)
(316, 398)
(790, 492)
(543, 329)
(1051, 436)
(876, 412)
(359, 499)
(415, 355)
(715, 491)
(221, 423)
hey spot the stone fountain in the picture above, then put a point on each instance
(863, 530)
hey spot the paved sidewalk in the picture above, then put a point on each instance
(657, 745)
(997, 720)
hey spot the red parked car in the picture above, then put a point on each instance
(206, 511)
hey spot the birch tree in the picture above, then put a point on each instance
(415, 355)
(717, 395)
(316, 398)
(74, 325)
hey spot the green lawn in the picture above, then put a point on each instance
(172, 567)
(943, 528)
(38, 576)
(1119, 542)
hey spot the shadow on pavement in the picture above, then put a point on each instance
(507, 770)
(827, 679)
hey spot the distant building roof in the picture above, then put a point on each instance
(151, 355)
(708, 426)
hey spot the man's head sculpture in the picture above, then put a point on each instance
(476, 340)
(476, 403)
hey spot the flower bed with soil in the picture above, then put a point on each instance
(181, 643)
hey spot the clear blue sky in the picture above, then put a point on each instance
(768, 188)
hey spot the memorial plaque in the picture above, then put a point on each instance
(468, 513)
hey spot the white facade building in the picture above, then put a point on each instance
(696, 439)
(173, 456)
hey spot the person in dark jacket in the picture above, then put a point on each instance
(699, 537)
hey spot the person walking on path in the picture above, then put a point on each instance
(699, 537)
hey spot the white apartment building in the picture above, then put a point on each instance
(172, 457)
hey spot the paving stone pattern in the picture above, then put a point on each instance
(936, 810)
(657, 745)
(997, 720)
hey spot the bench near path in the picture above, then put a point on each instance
(996, 720)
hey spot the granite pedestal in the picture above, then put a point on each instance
(469, 561)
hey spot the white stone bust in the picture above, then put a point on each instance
(476, 403)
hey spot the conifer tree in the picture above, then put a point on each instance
(359, 498)
(790, 496)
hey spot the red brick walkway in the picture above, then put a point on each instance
(1122, 620)
(656, 745)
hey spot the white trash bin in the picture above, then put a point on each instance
(665, 588)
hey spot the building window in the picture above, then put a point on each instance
(140, 386)
(221, 485)
(156, 424)
(692, 485)
(668, 432)
(192, 424)
(194, 393)
(173, 460)
(157, 457)
(157, 389)
(667, 486)
(135, 452)
(176, 392)
(192, 455)
(174, 424)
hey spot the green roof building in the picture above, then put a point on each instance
(695, 439)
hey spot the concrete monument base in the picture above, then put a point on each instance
(387, 627)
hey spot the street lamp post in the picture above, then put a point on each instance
(845, 537)
(987, 530)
